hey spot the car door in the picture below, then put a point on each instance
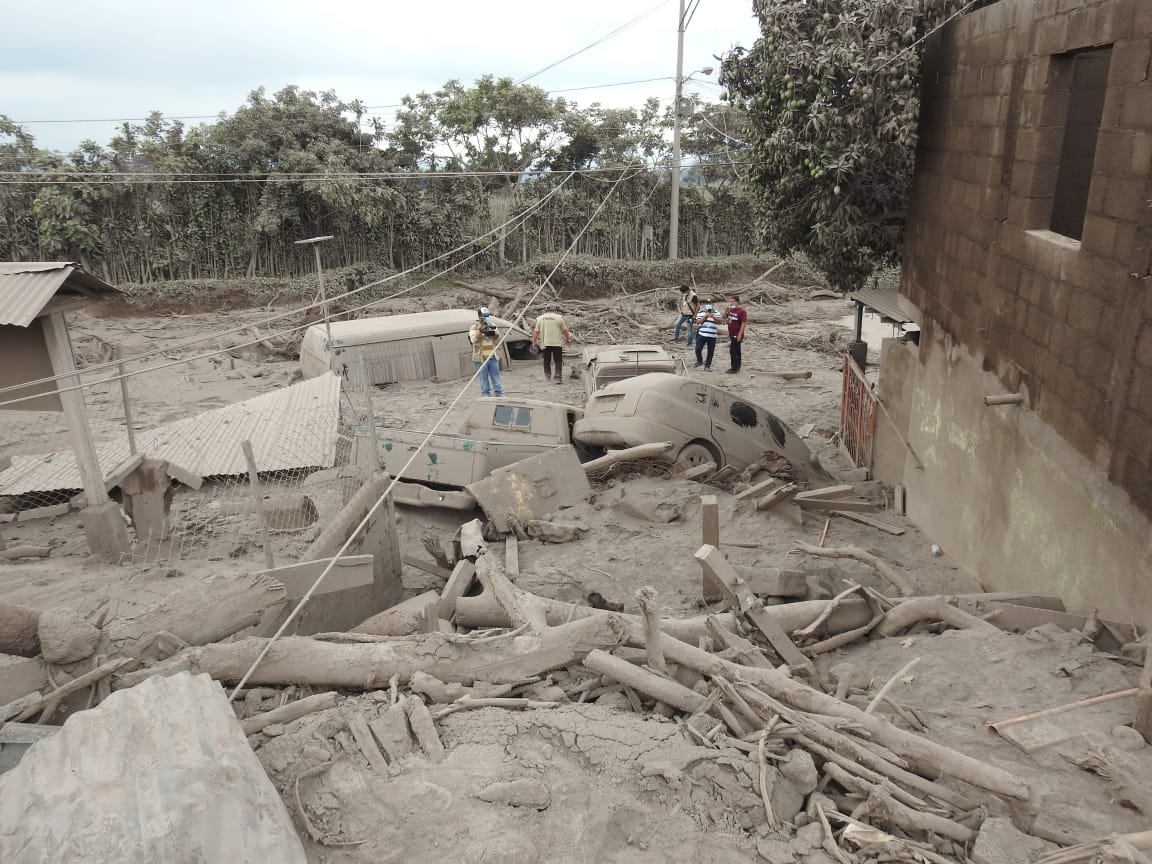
(727, 433)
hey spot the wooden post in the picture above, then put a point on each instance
(258, 498)
(1143, 722)
(127, 403)
(75, 414)
(710, 521)
(371, 415)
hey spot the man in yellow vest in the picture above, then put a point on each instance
(689, 306)
(552, 335)
(484, 338)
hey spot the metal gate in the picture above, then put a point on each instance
(857, 414)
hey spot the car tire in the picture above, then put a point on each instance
(697, 453)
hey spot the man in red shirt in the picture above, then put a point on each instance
(737, 324)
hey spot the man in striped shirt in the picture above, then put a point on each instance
(707, 326)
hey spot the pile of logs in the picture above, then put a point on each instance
(743, 679)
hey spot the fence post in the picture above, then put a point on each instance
(258, 497)
(127, 403)
(371, 416)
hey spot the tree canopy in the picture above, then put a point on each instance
(830, 92)
(228, 198)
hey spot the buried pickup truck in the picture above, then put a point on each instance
(704, 423)
(497, 432)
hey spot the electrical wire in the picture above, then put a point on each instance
(599, 41)
(512, 223)
(412, 458)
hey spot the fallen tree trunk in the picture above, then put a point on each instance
(199, 614)
(15, 552)
(19, 630)
(629, 454)
(484, 611)
(908, 612)
(486, 292)
(369, 666)
(929, 757)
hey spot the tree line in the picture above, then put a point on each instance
(227, 199)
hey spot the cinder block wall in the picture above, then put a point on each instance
(1068, 322)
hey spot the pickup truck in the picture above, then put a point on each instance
(498, 431)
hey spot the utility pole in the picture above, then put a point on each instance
(674, 195)
(315, 242)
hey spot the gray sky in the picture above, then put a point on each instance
(123, 58)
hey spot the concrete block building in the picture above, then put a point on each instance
(1028, 266)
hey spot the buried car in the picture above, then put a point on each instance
(704, 423)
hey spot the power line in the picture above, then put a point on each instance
(599, 41)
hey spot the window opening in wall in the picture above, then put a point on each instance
(1087, 75)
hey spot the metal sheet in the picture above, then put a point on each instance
(26, 287)
(24, 357)
(882, 300)
(293, 427)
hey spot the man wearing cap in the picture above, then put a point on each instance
(689, 306)
(552, 335)
(484, 338)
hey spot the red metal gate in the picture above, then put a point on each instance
(857, 414)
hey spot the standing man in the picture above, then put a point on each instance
(484, 338)
(552, 335)
(737, 324)
(707, 327)
(689, 306)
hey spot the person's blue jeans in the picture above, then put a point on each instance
(684, 319)
(490, 377)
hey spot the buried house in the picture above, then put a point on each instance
(1027, 267)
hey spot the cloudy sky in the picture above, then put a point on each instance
(120, 59)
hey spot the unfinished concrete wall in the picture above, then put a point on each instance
(1009, 90)
(1027, 263)
(895, 389)
(1012, 501)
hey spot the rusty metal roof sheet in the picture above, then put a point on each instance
(293, 427)
(26, 287)
(883, 301)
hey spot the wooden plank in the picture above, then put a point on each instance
(776, 496)
(512, 556)
(895, 530)
(827, 492)
(724, 473)
(710, 536)
(767, 624)
(426, 566)
(457, 584)
(705, 469)
(358, 725)
(761, 488)
(1017, 618)
(739, 595)
(843, 504)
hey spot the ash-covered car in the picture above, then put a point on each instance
(703, 422)
(605, 364)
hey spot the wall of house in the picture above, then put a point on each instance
(1068, 322)
(1010, 499)
(1055, 494)
(895, 388)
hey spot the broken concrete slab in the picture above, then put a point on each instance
(147, 492)
(188, 786)
(392, 733)
(338, 602)
(532, 488)
(417, 495)
(999, 842)
(403, 619)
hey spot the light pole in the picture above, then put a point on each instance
(315, 242)
(674, 195)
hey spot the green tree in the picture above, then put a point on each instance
(831, 91)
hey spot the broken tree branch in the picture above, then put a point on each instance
(889, 685)
(863, 557)
(630, 454)
(880, 801)
(907, 613)
(646, 598)
(520, 606)
(291, 711)
(48, 705)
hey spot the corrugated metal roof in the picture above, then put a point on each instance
(885, 301)
(386, 328)
(26, 287)
(293, 427)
